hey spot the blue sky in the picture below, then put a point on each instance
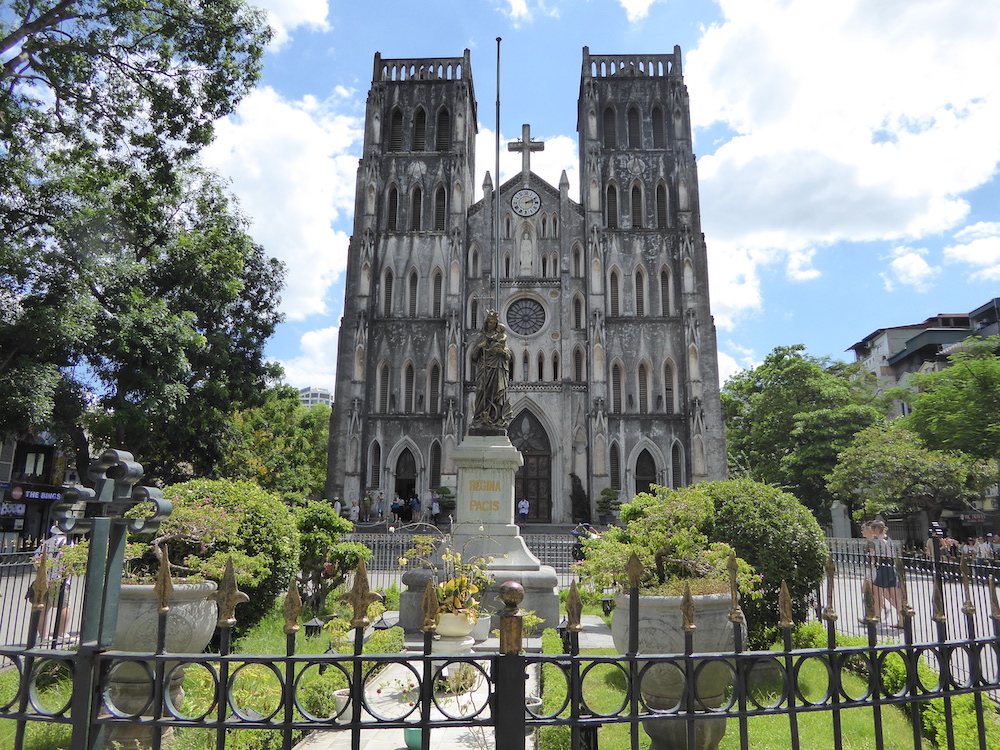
(847, 149)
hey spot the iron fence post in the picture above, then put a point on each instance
(510, 676)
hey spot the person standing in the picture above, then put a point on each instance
(886, 582)
(337, 507)
(380, 506)
(523, 508)
(355, 512)
(435, 510)
(366, 507)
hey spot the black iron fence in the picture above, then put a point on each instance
(947, 667)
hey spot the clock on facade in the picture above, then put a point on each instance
(525, 316)
(525, 202)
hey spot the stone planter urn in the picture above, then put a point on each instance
(455, 624)
(662, 686)
(191, 622)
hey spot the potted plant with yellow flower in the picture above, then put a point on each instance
(457, 579)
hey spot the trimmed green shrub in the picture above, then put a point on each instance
(779, 537)
(264, 543)
(324, 560)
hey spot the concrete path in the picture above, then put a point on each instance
(595, 634)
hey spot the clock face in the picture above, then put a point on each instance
(525, 202)
(525, 316)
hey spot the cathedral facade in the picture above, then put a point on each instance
(614, 377)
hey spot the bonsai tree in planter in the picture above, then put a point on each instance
(607, 505)
(213, 520)
(325, 560)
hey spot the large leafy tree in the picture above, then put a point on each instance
(958, 408)
(887, 469)
(127, 272)
(787, 419)
(280, 445)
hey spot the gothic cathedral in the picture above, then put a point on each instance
(614, 379)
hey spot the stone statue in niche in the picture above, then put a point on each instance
(491, 413)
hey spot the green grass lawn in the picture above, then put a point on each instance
(604, 691)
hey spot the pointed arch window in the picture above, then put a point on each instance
(613, 294)
(610, 136)
(474, 314)
(658, 127)
(661, 207)
(387, 294)
(412, 294)
(577, 262)
(668, 388)
(525, 367)
(545, 265)
(616, 389)
(612, 207)
(577, 313)
(578, 371)
(555, 366)
(392, 209)
(443, 130)
(506, 227)
(615, 468)
(636, 207)
(676, 467)
(440, 200)
(634, 129)
(545, 225)
(436, 465)
(396, 131)
(434, 402)
(408, 390)
(436, 297)
(416, 208)
(643, 390)
(383, 389)
(555, 225)
(375, 475)
(664, 292)
(640, 294)
(474, 265)
(420, 130)
(541, 366)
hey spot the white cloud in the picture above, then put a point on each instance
(289, 166)
(979, 248)
(287, 15)
(636, 10)
(909, 268)
(848, 121)
(733, 359)
(735, 285)
(317, 365)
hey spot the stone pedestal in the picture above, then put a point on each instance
(485, 527)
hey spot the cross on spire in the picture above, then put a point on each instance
(525, 146)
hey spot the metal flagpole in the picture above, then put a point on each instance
(496, 199)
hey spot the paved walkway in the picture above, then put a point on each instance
(595, 634)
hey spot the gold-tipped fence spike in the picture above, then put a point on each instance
(634, 571)
(735, 611)
(40, 586)
(361, 596)
(939, 615)
(829, 612)
(292, 608)
(228, 596)
(868, 596)
(164, 586)
(687, 609)
(968, 608)
(785, 608)
(429, 608)
(994, 602)
(574, 609)
(906, 609)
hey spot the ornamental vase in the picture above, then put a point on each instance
(660, 631)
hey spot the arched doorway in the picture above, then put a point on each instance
(406, 475)
(533, 480)
(645, 472)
